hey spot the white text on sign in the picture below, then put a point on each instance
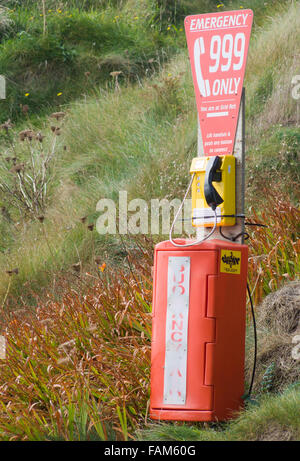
(226, 54)
(213, 22)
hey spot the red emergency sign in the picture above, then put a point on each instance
(218, 47)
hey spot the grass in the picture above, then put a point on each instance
(77, 51)
(274, 255)
(94, 334)
(97, 165)
(269, 78)
(285, 139)
(64, 316)
(53, 56)
(101, 157)
(274, 418)
(83, 358)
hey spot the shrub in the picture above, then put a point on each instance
(273, 250)
(26, 176)
(88, 353)
(85, 355)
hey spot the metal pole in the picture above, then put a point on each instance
(2, 338)
(239, 153)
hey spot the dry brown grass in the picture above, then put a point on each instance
(278, 320)
(88, 353)
(280, 311)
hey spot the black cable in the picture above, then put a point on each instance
(224, 236)
(242, 216)
(252, 312)
(247, 236)
(255, 224)
(233, 239)
(255, 342)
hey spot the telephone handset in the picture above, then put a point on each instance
(199, 49)
(213, 188)
(212, 205)
(212, 174)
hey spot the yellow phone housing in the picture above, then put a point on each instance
(202, 214)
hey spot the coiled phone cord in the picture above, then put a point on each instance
(176, 217)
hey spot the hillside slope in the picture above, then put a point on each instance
(59, 282)
(114, 135)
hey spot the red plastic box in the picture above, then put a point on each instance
(198, 331)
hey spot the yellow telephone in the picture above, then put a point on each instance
(219, 196)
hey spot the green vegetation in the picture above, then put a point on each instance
(52, 52)
(274, 418)
(53, 58)
(100, 99)
(82, 358)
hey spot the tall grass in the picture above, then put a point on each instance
(78, 334)
(271, 65)
(51, 59)
(78, 368)
(274, 250)
(108, 140)
(50, 48)
(275, 418)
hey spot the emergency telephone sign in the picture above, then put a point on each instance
(218, 47)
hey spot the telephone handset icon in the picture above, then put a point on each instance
(199, 49)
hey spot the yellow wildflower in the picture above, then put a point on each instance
(102, 268)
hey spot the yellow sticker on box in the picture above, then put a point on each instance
(230, 262)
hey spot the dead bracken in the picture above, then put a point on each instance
(76, 267)
(26, 134)
(24, 108)
(56, 130)
(17, 168)
(116, 73)
(12, 271)
(6, 125)
(58, 115)
(27, 187)
(39, 137)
